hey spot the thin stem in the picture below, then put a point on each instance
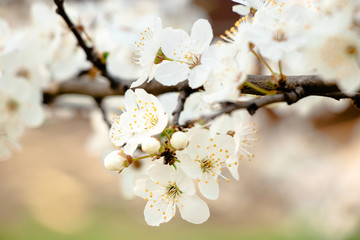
(263, 61)
(258, 89)
(91, 54)
(167, 135)
(185, 92)
(253, 105)
(99, 101)
(168, 59)
(280, 69)
(143, 157)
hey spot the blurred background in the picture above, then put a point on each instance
(304, 182)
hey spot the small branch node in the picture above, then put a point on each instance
(252, 109)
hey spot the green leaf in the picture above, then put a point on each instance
(105, 56)
(169, 131)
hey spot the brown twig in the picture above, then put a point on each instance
(90, 87)
(99, 101)
(91, 54)
(312, 84)
(185, 92)
(290, 97)
(290, 91)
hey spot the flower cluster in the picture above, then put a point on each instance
(323, 35)
(39, 53)
(175, 159)
(20, 93)
(32, 58)
(278, 33)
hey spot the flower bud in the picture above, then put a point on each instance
(116, 161)
(150, 146)
(179, 140)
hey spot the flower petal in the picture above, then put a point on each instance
(193, 209)
(33, 115)
(19, 89)
(130, 147)
(143, 184)
(190, 166)
(233, 168)
(201, 34)
(158, 212)
(172, 40)
(118, 137)
(199, 140)
(351, 83)
(130, 100)
(223, 147)
(241, 10)
(144, 75)
(198, 76)
(208, 186)
(159, 172)
(171, 73)
(184, 183)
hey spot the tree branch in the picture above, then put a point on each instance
(294, 89)
(185, 92)
(311, 84)
(289, 89)
(99, 101)
(91, 87)
(297, 88)
(91, 54)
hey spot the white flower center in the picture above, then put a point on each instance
(207, 165)
(23, 72)
(151, 120)
(12, 105)
(172, 191)
(193, 59)
(280, 35)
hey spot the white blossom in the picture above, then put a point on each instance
(131, 174)
(275, 37)
(241, 126)
(251, 6)
(320, 35)
(148, 52)
(204, 158)
(195, 107)
(143, 117)
(167, 189)
(224, 81)
(335, 51)
(191, 55)
(19, 108)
